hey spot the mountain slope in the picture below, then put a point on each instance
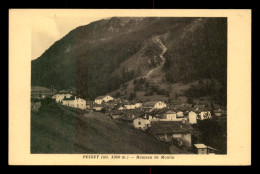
(55, 129)
(100, 57)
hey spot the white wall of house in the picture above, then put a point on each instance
(76, 103)
(130, 106)
(108, 98)
(192, 117)
(80, 103)
(141, 123)
(171, 116)
(202, 151)
(69, 103)
(98, 108)
(104, 99)
(98, 101)
(138, 105)
(205, 115)
(60, 97)
(179, 114)
(177, 119)
(160, 105)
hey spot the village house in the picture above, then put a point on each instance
(99, 100)
(203, 149)
(205, 115)
(75, 102)
(170, 131)
(171, 115)
(192, 117)
(129, 115)
(141, 123)
(112, 103)
(39, 92)
(154, 105)
(179, 114)
(138, 104)
(61, 95)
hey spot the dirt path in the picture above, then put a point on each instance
(164, 48)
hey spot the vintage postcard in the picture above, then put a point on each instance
(129, 87)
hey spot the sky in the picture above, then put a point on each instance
(47, 30)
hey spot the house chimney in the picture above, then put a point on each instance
(183, 120)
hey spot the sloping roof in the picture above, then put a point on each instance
(39, 88)
(140, 116)
(113, 102)
(158, 111)
(126, 102)
(150, 103)
(116, 112)
(169, 127)
(102, 96)
(135, 112)
(71, 98)
(212, 148)
(58, 93)
(170, 112)
(200, 146)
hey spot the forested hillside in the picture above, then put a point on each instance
(100, 57)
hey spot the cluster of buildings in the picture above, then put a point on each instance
(68, 99)
(166, 122)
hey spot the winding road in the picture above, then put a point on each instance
(164, 48)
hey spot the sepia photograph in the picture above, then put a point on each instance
(157, 87)
(130, 85)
